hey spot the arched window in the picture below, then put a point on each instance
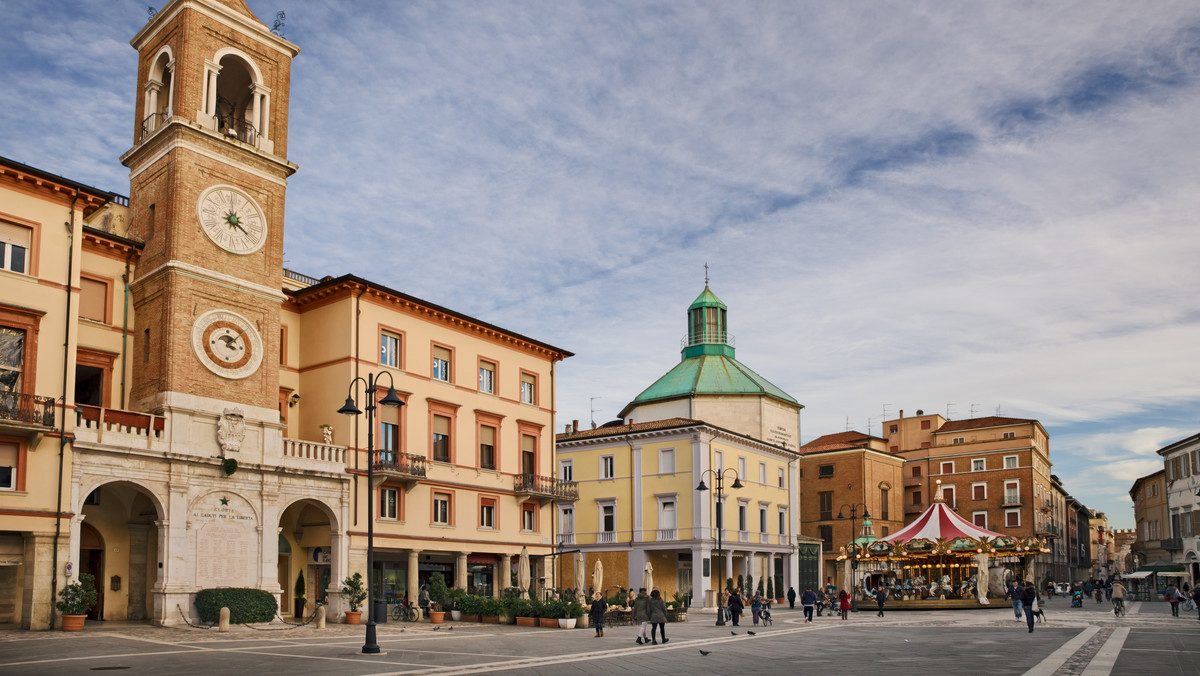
(159, 98)
(236, 102)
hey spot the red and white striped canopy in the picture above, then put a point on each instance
(939, 521)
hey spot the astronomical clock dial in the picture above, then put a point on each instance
(227, 344)
(232, 220)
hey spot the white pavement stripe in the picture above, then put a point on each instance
(1057, 658)
(1102, 663)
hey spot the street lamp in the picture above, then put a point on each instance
(371, 647)
(853, 507)
(720, 479)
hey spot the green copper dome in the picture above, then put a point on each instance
(708, 366)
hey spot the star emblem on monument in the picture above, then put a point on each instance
(224, 501)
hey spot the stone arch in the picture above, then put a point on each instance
(159, 98)
(88, 486)
(236, 96)
(129, 518)
(311, 528)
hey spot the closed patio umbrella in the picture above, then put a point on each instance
(598, 578)
(580, 573)
(648, 576)
(523, 572)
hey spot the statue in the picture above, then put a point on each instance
(231, 430)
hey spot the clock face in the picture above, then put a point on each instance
(227, 344)
(232, 220)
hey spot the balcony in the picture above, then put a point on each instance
(1048, 531)
(404, 467)
(666, 535)
(545, 488)
(913, 481)
(915, 509)
(1172, 544)
(1011, 501)
(119, 428)
(153, 123)
(312, 456)
(606, 537)
(26, 413)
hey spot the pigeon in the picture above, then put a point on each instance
(751, 633)
(450, 628)
(403, 629)
(437, 628)
(706, 653)
(734, 633)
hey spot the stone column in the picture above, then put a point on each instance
(37, 600)
(728, 568)
(460, 571)
(414, 556)
(701, 582)
(139, 537)
(505, 574)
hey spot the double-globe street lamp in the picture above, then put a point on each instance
(853, 547)
(720, 488)
(371, 647)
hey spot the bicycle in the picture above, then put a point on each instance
(1119, 607)
(404, 612)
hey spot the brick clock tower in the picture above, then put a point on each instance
(208, 171)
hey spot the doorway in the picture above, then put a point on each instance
(91, 561)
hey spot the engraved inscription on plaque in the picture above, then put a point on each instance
(226, 542)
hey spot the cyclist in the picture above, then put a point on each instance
(1118, 598)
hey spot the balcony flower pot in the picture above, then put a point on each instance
(353, 617)
(437, 616)
(566, 623)
(73, 622)
(527, 621)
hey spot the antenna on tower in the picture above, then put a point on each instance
(973, 407)
(950, 411)
(592, 406)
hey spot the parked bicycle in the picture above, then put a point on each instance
(404, 612)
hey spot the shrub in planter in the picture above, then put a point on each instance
(439, 593)
(355, 593)
(770, 588)
(298, 594)
(245, 605)
(76, 600)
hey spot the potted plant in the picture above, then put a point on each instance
(439, 597)
(522, 610)
(771, 588)
(298, 594)
(456, 597)
(571, 611)
(355, 593)
(491, 610)
(76, 600)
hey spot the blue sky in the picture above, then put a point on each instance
(948, 206)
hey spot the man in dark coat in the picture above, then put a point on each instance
(881, 597)
(735, 606)
(808, 600)
(791, 597)
(1028, 596)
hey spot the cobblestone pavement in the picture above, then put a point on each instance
(1088, 641)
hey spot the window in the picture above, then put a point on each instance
(916, 470)
(1010, 462)
(666, 515)
(948, 467)
(916, 497)
(826, 538)
(1012, 518)
(607, 470)
(720, 460)
(388, 503)
(978, 465)
(762, 519)
(885, 531)
(487, 447)
(389, 442)
(1010, 435)
(9, 460)
(742, 516)
(93, 299)
(1012, 493)
(884, 512)
(389, 350)
(924, 424)
(441, 509)
(12, 359)
(14, 247)
(608, 518)
(948, 496)
(487, 377)
(781, 477)
(487, 513)
(979, 491)
(783, 522)
(979, 519)
(441, 363)
(666, 461)
(825, 498)
(566, 520)
(893, 429)
(762, 473)
(441, 438)
(528, 388)
(742, 468)
(566, 470)
(528, 454)
(824, 471)
(958, 440)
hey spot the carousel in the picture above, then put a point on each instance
(939, 560)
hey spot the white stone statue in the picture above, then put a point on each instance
(231, 430)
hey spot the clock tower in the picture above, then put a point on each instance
(208, 171)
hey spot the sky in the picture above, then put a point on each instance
(967, 208)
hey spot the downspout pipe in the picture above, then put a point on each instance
(125, 328)
(62, 422)
(357, 328)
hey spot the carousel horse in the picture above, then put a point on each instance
(966, 588)
(941, 587)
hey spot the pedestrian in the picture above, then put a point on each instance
(723, 609)
(658, 617)
(808, 600)
(756, 604)
(1014, 593)
(596, 613)
(641, 615)
(843, 603)
(1029, 602)
(1087, 588)
(1108, 590)
(735, 605)
(880, 598)
(423, 599)
(1172, 594)
(791, 597)
(1196, 598)
(821, 601)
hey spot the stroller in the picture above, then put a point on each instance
(1077, 599)
(764, 615)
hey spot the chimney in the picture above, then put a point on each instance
(574, 425)
(902, 414)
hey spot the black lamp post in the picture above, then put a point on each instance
(853, 507)
(371, 647)
(720, 479)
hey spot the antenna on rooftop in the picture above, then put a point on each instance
(999, 413)
(847, 424)
(869, 419)
(950, 411)
(885, 414)
(592, 405)
(973, 407)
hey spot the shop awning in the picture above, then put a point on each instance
(1171, 574)
(1141, 574)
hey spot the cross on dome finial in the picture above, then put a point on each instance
(705, 273)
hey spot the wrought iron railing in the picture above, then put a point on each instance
(707, 337)
(1172, 544)
(27, 408)
(235, 127)
(1047, 529)
(153, 123)
(546, 486)
(406, 464)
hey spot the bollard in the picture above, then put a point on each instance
(224, 621)
(320, 617)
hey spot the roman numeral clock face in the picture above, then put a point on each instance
(232, 220)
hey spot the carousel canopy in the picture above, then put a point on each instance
(939, 521)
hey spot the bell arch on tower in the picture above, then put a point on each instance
(237, 103)
(159, 98)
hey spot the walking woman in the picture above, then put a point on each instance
(596, 613)
(658, 617)
(735, 606)
(756, 604)
(641, 615)
(844, 603)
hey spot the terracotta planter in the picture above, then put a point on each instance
(526, 621)
(73, 622)
(470, 618)
(353, 617)
(548, 622)
(437, 616)
(490, 619)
